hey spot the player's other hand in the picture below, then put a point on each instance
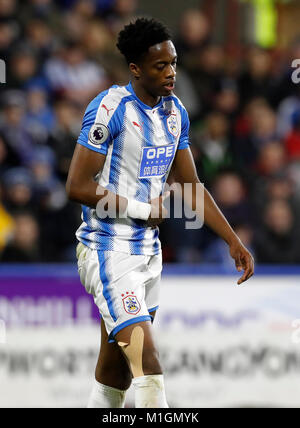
(243, 260)
(158, 211)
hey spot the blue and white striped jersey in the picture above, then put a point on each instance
(140, 143)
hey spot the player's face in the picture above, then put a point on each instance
(158, 69)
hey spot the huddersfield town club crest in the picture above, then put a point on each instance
(172, 124)
(131, 304)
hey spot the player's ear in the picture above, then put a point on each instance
(135, 70)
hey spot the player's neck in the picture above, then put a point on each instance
(144, 96)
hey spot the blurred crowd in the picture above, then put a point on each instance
(245, 129)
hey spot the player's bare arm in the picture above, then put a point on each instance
(184, 171)
(81, 185)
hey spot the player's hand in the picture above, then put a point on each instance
(158, 210)
(243, 260)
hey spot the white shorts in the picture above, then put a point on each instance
(125, 286)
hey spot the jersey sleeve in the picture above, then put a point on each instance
(184, 141)
(99, 125)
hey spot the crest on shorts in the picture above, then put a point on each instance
(131, 304)
(98, 134)
(172, 124)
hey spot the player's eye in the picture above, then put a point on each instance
(161, 66)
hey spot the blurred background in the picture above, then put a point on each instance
(235, 79)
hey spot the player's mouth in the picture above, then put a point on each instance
(170, 86)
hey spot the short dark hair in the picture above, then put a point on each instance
(137, 37)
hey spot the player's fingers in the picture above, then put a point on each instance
(242, 278)
(245, 266)
(248, 267)
(251, 269)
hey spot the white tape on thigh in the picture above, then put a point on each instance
(134, 351)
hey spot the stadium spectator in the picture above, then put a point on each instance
(24, 246)
(72, 76)
(124, 9)
(271, 159)
(230, 193)
(39, 111)
(276, 186)
(41, 9)
(120, 13)
(9, 33)
(18, 189)
(257, 79)
(96, 39)
(253, 131)
(77, 18)
(8, 10)
(63, 135)
(207, 70)
(16, 132)
(226, 98)
(23, 66)
(47, 188)
(280, 186)
(40, 38)
(277, 241)
(214, 147)
(194, 34)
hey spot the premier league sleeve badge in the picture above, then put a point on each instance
(98, 134)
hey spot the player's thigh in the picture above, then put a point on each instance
(125, 335)
(110, 353)
(137, 343)
(112, 368)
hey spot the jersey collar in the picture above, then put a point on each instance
(145, 106)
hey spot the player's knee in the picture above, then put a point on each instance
(123, 380)
(151, 364)
(140, 352)
(119, 377)
(144, 361)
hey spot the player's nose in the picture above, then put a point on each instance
(171, 72)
